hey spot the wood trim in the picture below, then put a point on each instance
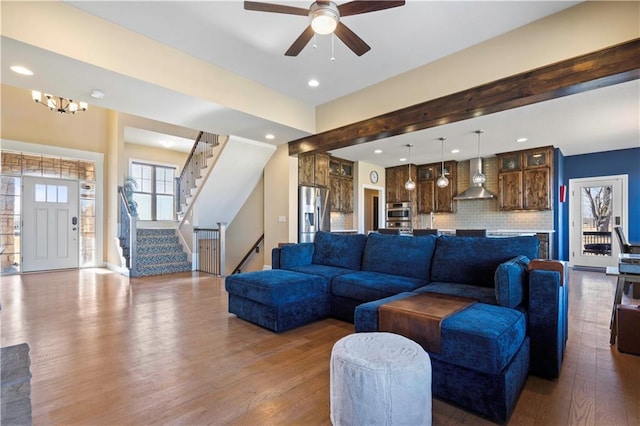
(606, 67)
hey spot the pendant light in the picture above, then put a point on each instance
(410, 185)
(442, 181)
(478, 178)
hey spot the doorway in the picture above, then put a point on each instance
(50, 226)
(371, 210)
(596, 205)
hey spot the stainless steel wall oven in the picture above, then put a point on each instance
(399, 215)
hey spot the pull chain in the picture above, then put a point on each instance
(333, 58)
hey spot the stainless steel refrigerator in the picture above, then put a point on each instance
(314, 213)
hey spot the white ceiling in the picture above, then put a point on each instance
(252, 44)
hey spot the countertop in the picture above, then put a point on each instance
(507, 231)
(489, 231)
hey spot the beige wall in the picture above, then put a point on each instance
(244, 231)
(114, 177)
(584, 28)
(24, 120)
(153, 155)
(280, 199)
(112, 47)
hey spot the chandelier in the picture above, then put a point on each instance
(58, 103)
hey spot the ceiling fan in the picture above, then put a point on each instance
(324, 18)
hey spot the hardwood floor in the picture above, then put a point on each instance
(106, 350)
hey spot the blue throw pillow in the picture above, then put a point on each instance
(340, 250)
(511, 279)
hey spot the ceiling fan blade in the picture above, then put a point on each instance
(350, 38)
(357, 7)
(300, 42)
(275, 8)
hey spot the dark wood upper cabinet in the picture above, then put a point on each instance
(313, 169)
(432, 198)
(395, 178)
(524, 179)
(341, 185)
(510, 190)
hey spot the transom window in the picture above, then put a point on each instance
(155, 192)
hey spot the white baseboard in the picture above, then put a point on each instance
(118, 269)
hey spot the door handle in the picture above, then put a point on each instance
(74, 221)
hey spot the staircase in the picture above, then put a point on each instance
(155, 251)
(159, 252)
(194, 171)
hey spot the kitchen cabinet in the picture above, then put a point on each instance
(395, 178)
(341, 185)
(524, 179)
(432, 198)
(510, 190)
(313, 169)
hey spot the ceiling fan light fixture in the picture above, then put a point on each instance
(324, 18)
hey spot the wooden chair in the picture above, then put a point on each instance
(471, 232)
(418, 232)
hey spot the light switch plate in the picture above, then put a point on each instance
(282, 219)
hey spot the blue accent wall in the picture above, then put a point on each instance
(608, 163)
(560, 245)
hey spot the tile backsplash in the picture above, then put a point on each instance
(485, 214)
(342, 221)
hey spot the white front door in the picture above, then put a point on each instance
(50, 224)
(596, 205)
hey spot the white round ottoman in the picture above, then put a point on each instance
(380, 379)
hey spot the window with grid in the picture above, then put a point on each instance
(155, 191)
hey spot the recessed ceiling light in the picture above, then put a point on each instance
(19, 69)
(269, 136)
(377, 151)
(98, 94)
(403, 159)
(313, 83)
(455, 151)
(522, 140)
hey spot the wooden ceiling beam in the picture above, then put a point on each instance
(606, 67)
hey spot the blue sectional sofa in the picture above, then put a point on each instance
(518, 325)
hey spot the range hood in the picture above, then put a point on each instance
(476, 191)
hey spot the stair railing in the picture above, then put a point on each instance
(127, 232)
(254, 248)
(209, 249)
(196, 161)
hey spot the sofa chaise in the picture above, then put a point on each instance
(517, 326)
